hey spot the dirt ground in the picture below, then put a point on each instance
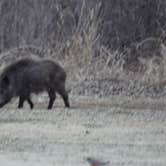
(124, 131)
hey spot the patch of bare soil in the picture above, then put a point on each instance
(124, 131)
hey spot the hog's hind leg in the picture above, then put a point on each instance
(64, 95)
(52, 97)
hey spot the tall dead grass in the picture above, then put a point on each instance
(92, 67)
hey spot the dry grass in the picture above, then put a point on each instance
(92, 68)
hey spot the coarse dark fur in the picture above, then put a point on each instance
(28, 76)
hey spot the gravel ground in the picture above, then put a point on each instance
(125, 131)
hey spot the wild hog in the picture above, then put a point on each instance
(27, 76)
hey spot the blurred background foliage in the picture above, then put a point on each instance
(118, 39)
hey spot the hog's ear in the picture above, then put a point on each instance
(6, 81)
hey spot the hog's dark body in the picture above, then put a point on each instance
(28, 76)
